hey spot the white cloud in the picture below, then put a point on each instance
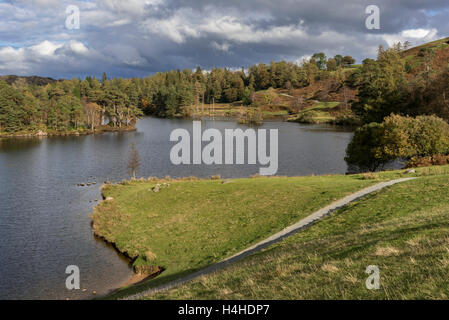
(188, 23)
(420, 33)
(414, 36)
(133, 7)
(176, 28)
(45, 48)
(78, 47)
(225, 46)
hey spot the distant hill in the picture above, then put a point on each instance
(435, 53)
(32, 80)
(442, 43)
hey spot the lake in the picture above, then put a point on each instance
(44, 214)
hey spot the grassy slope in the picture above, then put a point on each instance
(320, 112)
(193, 224)
(412, 55)
(403, 229)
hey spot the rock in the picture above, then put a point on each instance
(410, 171)
(41, 133)
(156, 189)
(109, 199)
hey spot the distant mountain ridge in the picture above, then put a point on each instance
(29, 80)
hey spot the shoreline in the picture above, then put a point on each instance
(43, 134)
(106, 129)
(135, 278)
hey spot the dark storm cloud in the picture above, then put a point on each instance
(140, 37)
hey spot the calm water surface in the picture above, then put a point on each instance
(44, 215)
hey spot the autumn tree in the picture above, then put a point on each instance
(348, 61)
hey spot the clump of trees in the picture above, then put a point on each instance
(398, 137)
(419, 98)
(175, 93)
(387, 86)
(69, 105)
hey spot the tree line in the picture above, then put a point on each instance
(90, 103)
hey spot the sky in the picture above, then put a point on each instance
(137, 38)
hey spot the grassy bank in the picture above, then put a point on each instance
(404, 230)
(192, 224)
(325, 112)
(277, 104)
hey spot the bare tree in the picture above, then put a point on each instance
(134, 160)
(297, 104)
(92, 113)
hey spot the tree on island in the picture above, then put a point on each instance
(134, 160)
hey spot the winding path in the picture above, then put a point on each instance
(287, 232)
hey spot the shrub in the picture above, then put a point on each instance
(436, 160)
(364, 150)
(399, 137)
(308, 117)
(347, 120)
(370, 176)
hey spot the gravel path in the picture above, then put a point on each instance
(287, 232)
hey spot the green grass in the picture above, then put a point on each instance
(404, 230)
(320, 112)
(193, 224)
(275, 113)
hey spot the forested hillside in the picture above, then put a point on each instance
(402, 81)
(28, 104)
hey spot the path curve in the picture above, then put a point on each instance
(287, 232)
